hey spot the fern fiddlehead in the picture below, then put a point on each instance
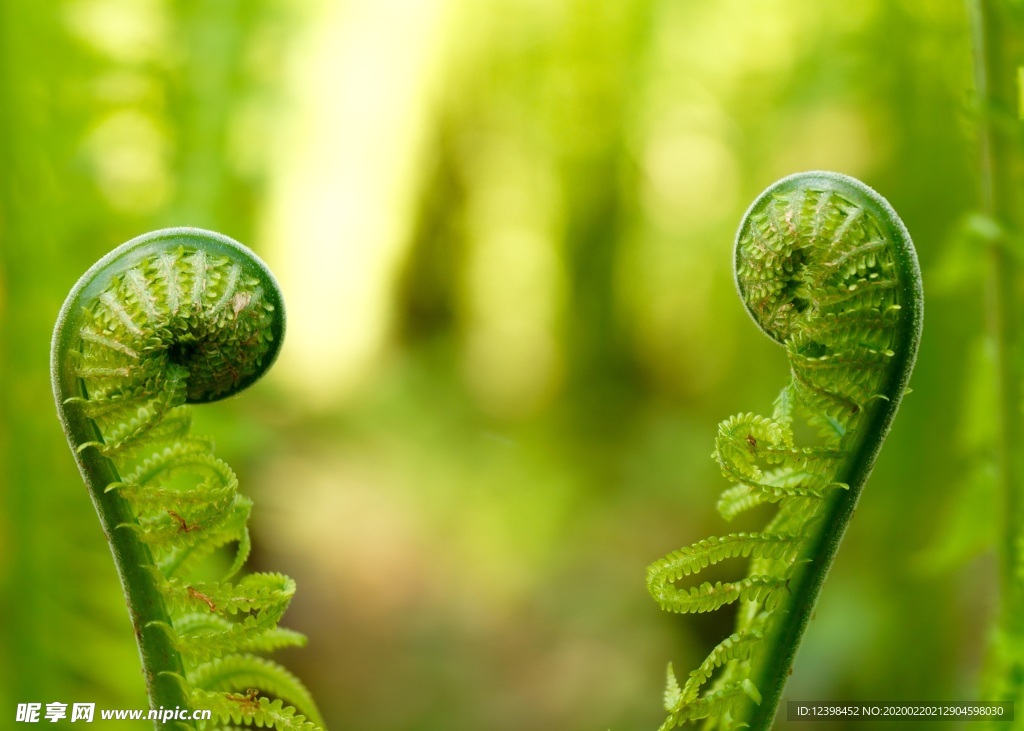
(174, 317)
(826, 268)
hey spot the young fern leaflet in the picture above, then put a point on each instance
(826, 269)
(174, 317)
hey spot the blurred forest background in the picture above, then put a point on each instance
(504, 234)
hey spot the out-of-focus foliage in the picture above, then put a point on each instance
(504, 232)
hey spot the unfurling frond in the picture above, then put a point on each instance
(238, 673)
(826, 269)
(174, 317)
(250, 709)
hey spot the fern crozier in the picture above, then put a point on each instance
(826, 269)
(174, 317)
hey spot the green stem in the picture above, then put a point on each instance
(998, 34)
(161, 662)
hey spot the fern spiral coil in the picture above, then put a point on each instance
(826, 268)
(174, 317)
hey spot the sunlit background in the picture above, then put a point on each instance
(503, 230)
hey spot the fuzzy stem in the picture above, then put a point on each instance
(161, 662)
(806, 584)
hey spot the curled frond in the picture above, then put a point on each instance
(238, 673)
(707, 597)
(745, 496)
(255, 592)
(709, 551)
(193, 630)
(251, 710)
(720, 703)
(738, 646)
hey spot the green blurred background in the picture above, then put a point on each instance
(503, 230)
